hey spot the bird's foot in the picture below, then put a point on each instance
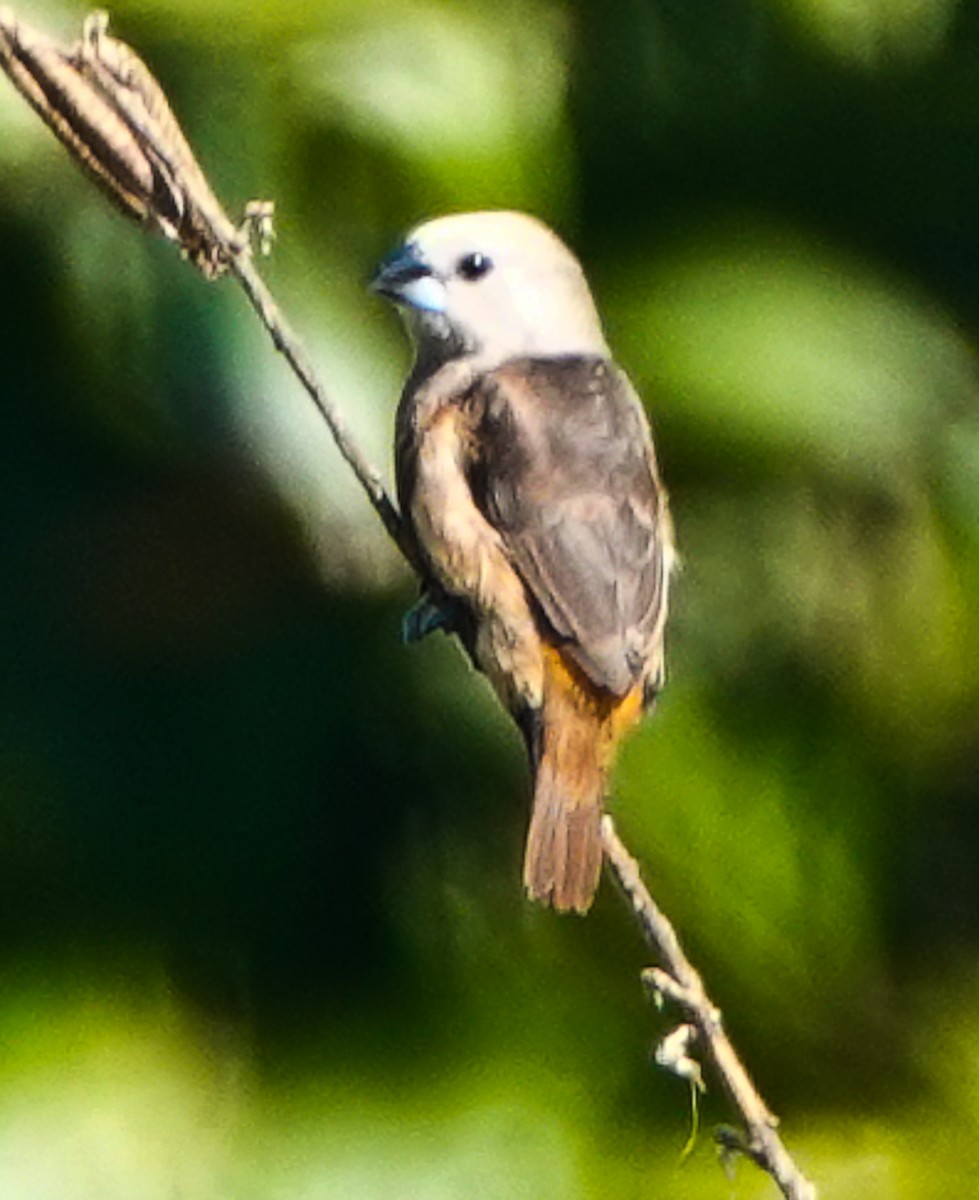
(428, 614)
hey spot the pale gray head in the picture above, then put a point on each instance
(491, 286)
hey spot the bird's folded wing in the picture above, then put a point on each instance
(563, 468)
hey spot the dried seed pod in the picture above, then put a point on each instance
(108, 110)
(88, 126)
(187, 209)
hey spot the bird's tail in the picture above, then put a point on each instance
(580, 727)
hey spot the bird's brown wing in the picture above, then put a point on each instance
(564, 470)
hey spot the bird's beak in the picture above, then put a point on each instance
(406, 278)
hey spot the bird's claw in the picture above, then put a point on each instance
(426, 616)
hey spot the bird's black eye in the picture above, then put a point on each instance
(473, 266)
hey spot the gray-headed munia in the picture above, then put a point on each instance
(527, 478)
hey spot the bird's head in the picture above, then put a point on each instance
(490, 286)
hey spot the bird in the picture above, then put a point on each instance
(534, 511)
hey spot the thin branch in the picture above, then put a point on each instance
(112, 116)
(682, 984)
(289, 345)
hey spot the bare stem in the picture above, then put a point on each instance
(682, 984)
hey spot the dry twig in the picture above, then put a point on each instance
(110, 113)
(682, 984)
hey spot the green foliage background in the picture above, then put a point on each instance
(261, 933)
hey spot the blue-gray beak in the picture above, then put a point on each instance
(406, 278)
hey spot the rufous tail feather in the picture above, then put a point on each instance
(580, 727)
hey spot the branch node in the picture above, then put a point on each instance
(731, 1143)
(672, 1055)
(663, 987)
(258, 225)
